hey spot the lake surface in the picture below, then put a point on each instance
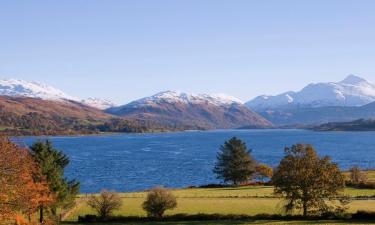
(135, 162)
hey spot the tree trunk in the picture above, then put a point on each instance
(54, 211)
(41, 216)
(304, 209)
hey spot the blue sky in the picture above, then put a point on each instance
(124, 50)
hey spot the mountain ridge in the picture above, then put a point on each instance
(32, 89)
(197, 111)
(352, 91)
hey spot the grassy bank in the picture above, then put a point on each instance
(242, 200)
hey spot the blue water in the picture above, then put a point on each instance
(134, 162)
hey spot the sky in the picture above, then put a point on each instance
(125, 50)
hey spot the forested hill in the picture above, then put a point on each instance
(357, 125)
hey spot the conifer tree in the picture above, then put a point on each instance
(234, 162)
(52, 164)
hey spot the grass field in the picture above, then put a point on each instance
(237, 192)
(242, 200)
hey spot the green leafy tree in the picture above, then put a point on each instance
(234, 162)
(307, 181)
(158, 201)
(52, 163)
(105, 203)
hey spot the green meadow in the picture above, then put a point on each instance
(242, 200)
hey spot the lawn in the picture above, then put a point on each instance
(242, 200)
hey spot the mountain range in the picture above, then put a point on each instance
(352, 91)
(318, 103)
(36, 108)
(32, 107)
(192, 111)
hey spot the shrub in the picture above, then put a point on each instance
(357, 176)
(263, 171)
(158, 201)
(105, 203)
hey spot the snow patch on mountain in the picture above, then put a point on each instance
(186, 98)
(352, 91)
(98, 103)
(22, 88)
(16, 87)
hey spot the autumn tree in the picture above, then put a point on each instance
(234, 162)
(357, 176)
(158, 201)
(105, 203)
(307, 181)
(22, 187)
(52, 163)
(263, 171)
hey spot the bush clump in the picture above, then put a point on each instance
(158, 201)
(105, 203)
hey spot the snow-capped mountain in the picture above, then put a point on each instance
(17, 88)
(187, 98)
(191, 111)
(98, 103)
(352, 91)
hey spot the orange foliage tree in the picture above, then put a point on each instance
(22, 188)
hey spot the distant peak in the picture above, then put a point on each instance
(353, 79)
(177, 96)
(171, 92)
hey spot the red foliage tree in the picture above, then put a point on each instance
(22, 188)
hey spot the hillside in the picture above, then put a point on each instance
(320, 115)
(188, 111)
(31, 89)
(357, 125)
(33, 116)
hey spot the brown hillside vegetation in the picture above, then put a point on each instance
(22, 106)
(31, 116)
(194, 116)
